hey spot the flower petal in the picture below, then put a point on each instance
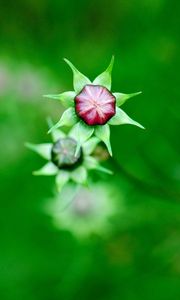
(79, 175)
(122, 98)
(104, 78)
(43, 150)
(81, 133)
(79, 80)
(90, 145)
(48, 170)
(121, 118)
(61, 179)
(92, 164)
(68, 118)
(67, 98)
(103, 133)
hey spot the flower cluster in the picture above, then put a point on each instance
(91, 108)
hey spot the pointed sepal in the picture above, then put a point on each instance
(79, 175)
(66, 98)
(92, 164)
(48, 170)
(68, 118)
(103, 133)
(61, 179)
(122, 98)
(44, 150)
(81, 133)
(56, 134)
(121, 118)
(79, 80)
(104, 78)
(90, 145)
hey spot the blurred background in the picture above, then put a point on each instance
(134, 250)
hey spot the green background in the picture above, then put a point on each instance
(140, 259)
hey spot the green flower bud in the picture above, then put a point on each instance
(63, 154)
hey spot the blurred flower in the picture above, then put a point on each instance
(88, 211)
(62, 161)
(92, 107)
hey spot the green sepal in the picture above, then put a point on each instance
(79, 80)
(104, 78)
(79, 175)
(103, 133)
(66, 98)
(68, 118)
(122, 98)
(121, 118)
(56, 134)
(61, 179)
(90, 145)
(43, 150)
(92, 164)
(47, 170)
(81, 133)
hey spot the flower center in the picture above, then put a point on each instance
(63, 154)
(95, 105)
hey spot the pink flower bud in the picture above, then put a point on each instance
(95, 105)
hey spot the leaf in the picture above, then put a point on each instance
(90, 145)
(92, 164)
(103, 133)
(79, 175)
(68, 118)
(81, 133)
(121, 118)
(122, 98)
(61, 179)
(48, 170)
(104, 78)
(67, 98)
(79, 80)
(43, 150)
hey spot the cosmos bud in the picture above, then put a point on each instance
(95, 105)
(92, 107)
(63, 154)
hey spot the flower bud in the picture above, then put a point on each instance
(95, 105)
(63, 154)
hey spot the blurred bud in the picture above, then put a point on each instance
(85, 211)
(63, 154)
(101, 153)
